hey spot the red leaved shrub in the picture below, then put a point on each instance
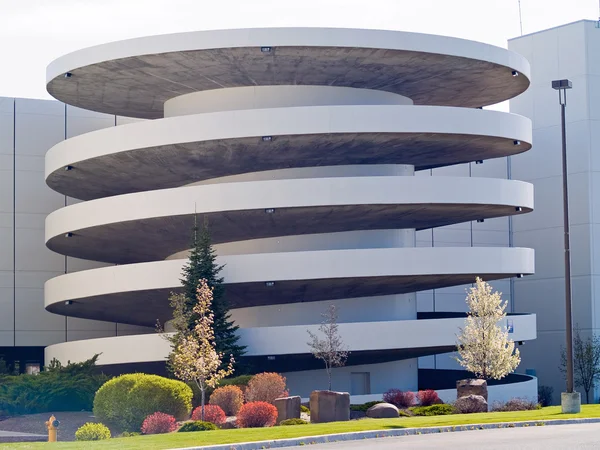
(256, 415)
(428, 398)
(229, 398)
(212, 413)
(266, 387)
(159, 423)
(399, 398)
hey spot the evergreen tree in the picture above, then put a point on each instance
(202, 264)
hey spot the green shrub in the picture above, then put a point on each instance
(197, 425)
(304, 409)
(433, 410)
(130, 434)
(127, 400)
(364, 406)
(293, 422)
(241, 381)
(92, 432)
(56, 388)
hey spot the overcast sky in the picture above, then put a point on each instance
(34, 32)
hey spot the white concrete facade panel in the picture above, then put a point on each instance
(27, 129)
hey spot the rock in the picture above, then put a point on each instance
(382, 411)
(471, 404)
(287, 408)
(230, 423)
(329, 406)
(471, 386)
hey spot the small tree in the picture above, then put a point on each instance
(586, 361)
(331, 349)
(194, 358)
(483, 346)
(202, 263)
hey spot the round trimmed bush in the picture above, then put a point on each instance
(229, 398)
(398, 398)
(159, 423)
(92, 432)
(266, 387)
(294, 421)
(304, 409)
(129, 434)
(212, 413)
(428, 397)
(127, 400)
(197, 425)
(257, 415)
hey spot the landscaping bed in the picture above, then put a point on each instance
(178, 440)
(35, 423)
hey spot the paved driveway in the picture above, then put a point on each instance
(558, 437)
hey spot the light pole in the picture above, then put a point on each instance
(570, 400)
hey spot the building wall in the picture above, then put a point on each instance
(569, 51)
(490, 233)
(28, 128)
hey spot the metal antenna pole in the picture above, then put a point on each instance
(521, 18)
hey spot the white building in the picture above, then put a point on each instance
(569, 51)
(300, 146)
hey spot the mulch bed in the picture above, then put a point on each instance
(35, 423)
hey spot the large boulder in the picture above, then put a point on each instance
(287, 408)
(329, 406)
(383, 411)
(471, 404)
(472, 386)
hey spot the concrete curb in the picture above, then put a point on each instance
(324, 439)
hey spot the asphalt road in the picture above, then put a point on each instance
(558, 437)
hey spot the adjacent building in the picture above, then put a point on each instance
(569, 51)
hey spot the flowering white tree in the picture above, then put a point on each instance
(331, 349)
(483, 345)
(194, 357)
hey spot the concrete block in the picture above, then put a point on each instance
(287, 408)
(570, 402)
(329, 406)
(472, 386)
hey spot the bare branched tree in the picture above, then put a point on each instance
(586, 361)
(331, 349)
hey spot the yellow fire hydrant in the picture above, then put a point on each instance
(52, 425)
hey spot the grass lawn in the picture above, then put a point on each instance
(177, 440)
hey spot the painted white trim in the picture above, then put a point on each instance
(277, 37)
(300, 265)
(311, 192)
(306, 120)
(287, 340)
